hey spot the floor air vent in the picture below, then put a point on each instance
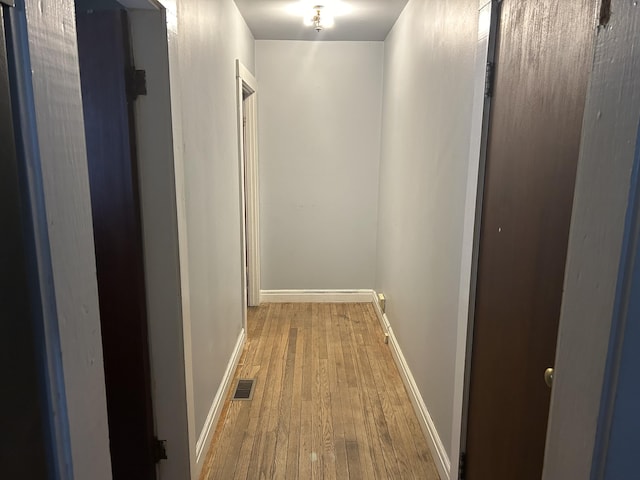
(244, 389)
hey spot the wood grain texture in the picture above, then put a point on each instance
(542, 67)
(328, 401)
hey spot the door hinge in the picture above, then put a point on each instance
(489, 79)
(462, 466)
(137, 83)
(159, 450)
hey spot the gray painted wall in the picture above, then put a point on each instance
(319, 121)
(211, 35)
(427, 106)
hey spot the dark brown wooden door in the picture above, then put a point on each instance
(103, 48)
(544, 54)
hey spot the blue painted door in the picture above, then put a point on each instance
(618, 446)
(25, 449)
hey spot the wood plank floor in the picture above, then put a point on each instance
(328, 403)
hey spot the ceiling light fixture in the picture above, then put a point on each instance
(318, 15)
(317, 20)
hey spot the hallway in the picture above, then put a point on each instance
(328, 401)
(472, 167)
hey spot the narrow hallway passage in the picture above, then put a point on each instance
(328, 401)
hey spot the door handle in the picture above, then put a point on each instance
(548, 376)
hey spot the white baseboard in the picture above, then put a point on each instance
(202, 445)
(316, 296)
(438, 451)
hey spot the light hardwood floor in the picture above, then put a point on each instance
(328, 403)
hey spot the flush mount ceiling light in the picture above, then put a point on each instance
(319, 15)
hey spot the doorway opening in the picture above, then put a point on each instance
(108, 95)
(129, 137)
(248, 161)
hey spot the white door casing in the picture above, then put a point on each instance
(246, 97)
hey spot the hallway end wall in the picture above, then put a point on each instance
(319, 114)
(427, 106)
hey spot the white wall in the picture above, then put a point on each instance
(211, 35)
(427, 107)
(319, 111)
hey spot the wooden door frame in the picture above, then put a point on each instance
(181, 352)
(471, 239)
(623, 340)
(165, 264)
(61, 198)
(595, 259)
(164, 238)
(246, 98)
(61, 220)
(20, 145)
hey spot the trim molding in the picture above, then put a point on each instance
(218, 401)
(316, 296)
(440, 456)
(252, 200)
(249, 184)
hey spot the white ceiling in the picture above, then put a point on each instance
(277, 20)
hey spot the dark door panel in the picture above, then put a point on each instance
(104, 52)
(543, 57)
